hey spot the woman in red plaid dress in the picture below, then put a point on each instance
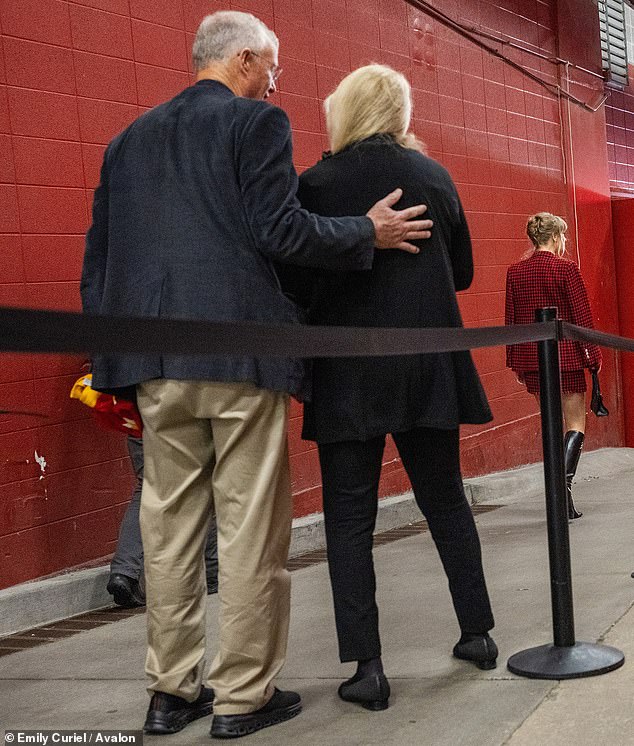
(544, 278)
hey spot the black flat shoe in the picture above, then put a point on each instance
(169, 713)
(126, 591)
(371, 692)
(282, 706)
(480, 649)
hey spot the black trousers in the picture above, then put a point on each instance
(350, 473)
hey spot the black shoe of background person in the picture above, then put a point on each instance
(282, 706)
(371, 692)
(169, 714)
(477, 648)
(126, 591)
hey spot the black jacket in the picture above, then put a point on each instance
(197, 198)
(355, 399)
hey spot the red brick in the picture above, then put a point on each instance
(54, 258)
(159, 45)
(331, 52)
(307, 148)
(196, 10)
(52, 395)
(100, 121)
(165, 12)
(54, 296)
(328, 79)
(18, 457)
(364, 29)
(52, 210)
(113, 6)
(22, 506)
(47, 162)
(302, 111)
(92, 158)
(11, 264)
(451, 111)
(58, 365)
(394, 37)
(27, 19)
(156, 84)
(362, 6)
(259, 8)
(296, 11)
(84, 537)
(361, 55)
(298, 77)
(100, 32)
(5, 125)
(17, 396)
(43, 114)
(7, 167)
(331, 18)
(9, 219)
(400, 62)
(449, 83)
(26, 555)
(295, 41)
(395, 10)
(105, 77)
(33, 65)
(98, 486)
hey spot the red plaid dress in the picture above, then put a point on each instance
(542, 280)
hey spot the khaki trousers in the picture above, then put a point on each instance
(216, 446)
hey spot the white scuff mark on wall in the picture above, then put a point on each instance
(42, 463)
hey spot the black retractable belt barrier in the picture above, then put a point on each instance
(566, 659)
(28, 330)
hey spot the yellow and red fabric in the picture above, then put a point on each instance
(110, 412)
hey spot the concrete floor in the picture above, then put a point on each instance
(95, 679)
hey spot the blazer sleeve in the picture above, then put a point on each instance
(461, 251)
(579, 304)
(280, 228)
(96, 250)
(509, 313)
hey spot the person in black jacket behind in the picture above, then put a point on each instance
(421, 400)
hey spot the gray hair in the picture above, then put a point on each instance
(223, 34)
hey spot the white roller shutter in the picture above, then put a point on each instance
(613, 43)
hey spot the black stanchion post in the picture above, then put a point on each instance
(566, 659)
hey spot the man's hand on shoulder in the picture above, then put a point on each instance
(394, 229)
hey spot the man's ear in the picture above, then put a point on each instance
(244, 59)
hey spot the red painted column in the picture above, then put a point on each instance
(623, 226)
(589, 199)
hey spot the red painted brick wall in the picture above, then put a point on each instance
(73, 73)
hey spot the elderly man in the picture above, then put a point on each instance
(196, 201)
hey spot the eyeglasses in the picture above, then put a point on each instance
(274, 70)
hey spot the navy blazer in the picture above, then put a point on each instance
(197, 198)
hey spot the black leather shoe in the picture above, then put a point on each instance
(371, 692)
(479, 649)
(126, 591)
(169, 713)
(282, 706)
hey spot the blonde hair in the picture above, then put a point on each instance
(543, 226)
(372, 100)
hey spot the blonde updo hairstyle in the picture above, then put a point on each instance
(543, 226)
(372, 100)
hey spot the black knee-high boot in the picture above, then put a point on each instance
(573, 443)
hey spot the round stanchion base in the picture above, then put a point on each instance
(574, 662)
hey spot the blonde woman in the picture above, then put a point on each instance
(421, 400)
(544, 277)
